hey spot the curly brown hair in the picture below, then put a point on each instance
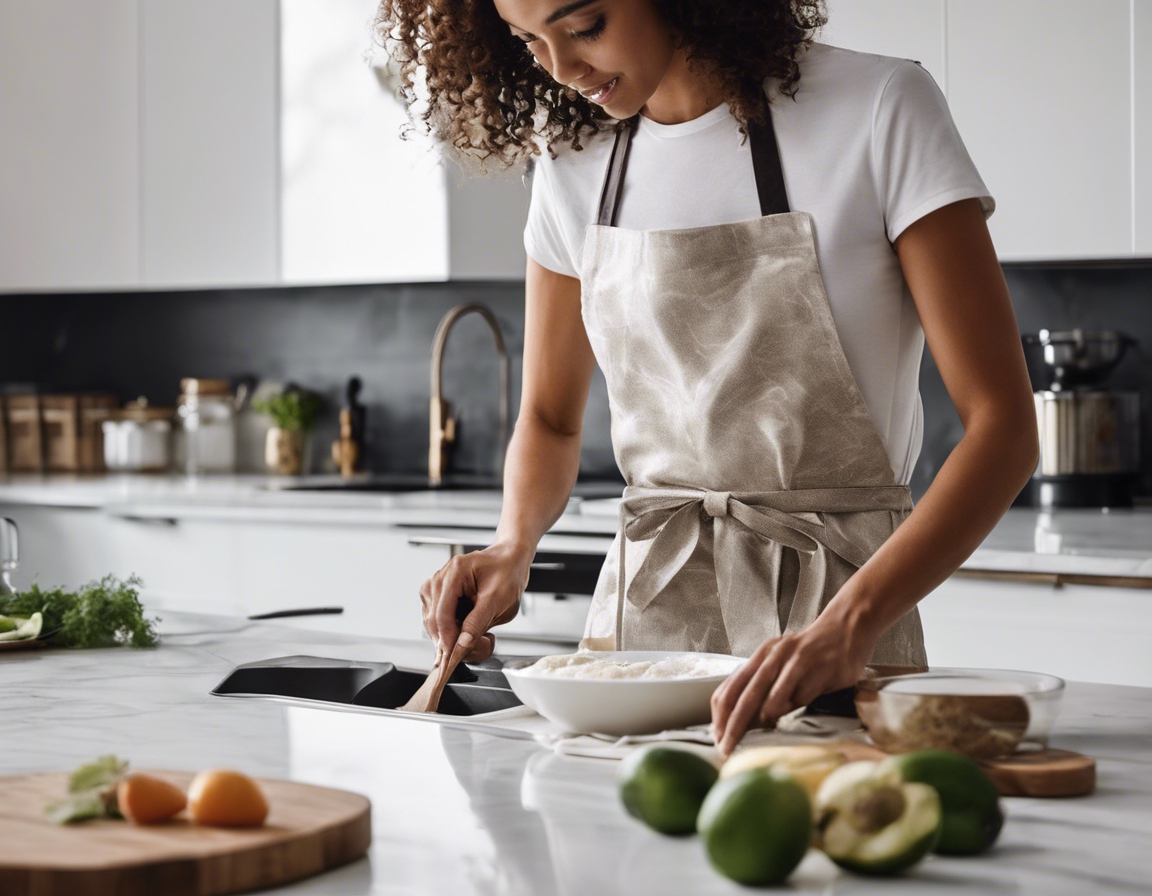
(481, 92)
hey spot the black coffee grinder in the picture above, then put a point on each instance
(1089, 437)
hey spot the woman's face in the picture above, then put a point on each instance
(614, 52)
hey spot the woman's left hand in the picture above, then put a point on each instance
(786, 673)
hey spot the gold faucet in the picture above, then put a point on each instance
(442, 422)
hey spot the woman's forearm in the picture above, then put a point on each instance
(539, 473)
(969, 495)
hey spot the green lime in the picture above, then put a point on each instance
(756, 826)
(7, 624)
(664, 787)
(972, 814)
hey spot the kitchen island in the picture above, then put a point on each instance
(459, 811)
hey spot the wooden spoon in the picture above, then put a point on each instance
(427, 696)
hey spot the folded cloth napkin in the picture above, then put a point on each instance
(797, 727)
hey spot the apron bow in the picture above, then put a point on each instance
(671, 519)
(716, 503)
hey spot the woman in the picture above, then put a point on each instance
(752, 234)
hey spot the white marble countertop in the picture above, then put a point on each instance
(461, 812)
(1113, 543)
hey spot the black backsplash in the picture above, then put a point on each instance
(142, 343)
(1059, 297)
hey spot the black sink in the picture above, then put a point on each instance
(417, 482)
(393, 482)
(470, 691)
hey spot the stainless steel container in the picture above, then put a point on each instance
(1079, 357)
(1088, 432)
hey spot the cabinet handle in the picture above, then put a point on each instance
(307, 611)
(543, 565)
(1055, 579)
(151, 520)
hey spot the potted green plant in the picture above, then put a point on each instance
(294, 413)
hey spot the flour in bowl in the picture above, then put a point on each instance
(586, 665)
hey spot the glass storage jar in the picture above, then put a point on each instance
(207, 416)
(9, 555)
(137, 438)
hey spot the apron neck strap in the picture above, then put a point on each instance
(765, 166)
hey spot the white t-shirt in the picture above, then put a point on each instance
(867, 148)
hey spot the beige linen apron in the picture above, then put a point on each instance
(757, 482)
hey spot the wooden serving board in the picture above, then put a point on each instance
(1043, 773)
(309, 829)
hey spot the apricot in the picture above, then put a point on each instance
(145, 799)
(225, 798)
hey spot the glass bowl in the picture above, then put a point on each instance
(983, 713)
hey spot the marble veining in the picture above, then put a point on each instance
(469, 812)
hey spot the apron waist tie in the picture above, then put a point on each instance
(671, 519)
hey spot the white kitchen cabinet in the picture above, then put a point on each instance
(216, 144)
(188, 564)
(69, 157)
(221, 563)
(371, 571)
(1078, 632)
(65, 546)
(209, 142)
(1053, 101)
(1041, 93)
(1142, 121)
(909, 29)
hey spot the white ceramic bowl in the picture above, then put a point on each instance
(619, 706)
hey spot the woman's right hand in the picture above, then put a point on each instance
(493, 579)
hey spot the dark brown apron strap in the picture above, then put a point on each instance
(614, 177)
(765, 166)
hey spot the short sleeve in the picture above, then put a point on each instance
(919, 161)
(543, 234)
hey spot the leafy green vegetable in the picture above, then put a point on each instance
(91, 793)
(105, 613)
(7, 624)
(78, 807)
(294, 410)
(100, 773)
(25, 630)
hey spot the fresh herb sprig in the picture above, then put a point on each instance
(105, 613)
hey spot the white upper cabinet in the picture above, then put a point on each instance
(908, 29)
(69, 158)
(211, 144)
(1053, 99)
(1142, 108)
(209, 148)
(1042, 94)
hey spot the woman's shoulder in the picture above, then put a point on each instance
(837, 75)
(852, 86)
(568, 164)
(833, 64)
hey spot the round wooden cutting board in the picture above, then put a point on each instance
(309, 829)
(1044, 773)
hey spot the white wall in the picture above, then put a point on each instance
(359, 205)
